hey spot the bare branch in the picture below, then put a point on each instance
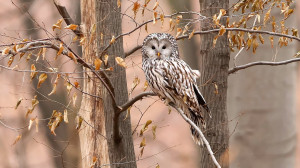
(65, 15)
(132, 50)
(200, 133)
(135, 99)
(237, 68)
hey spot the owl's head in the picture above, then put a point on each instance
(159, 46)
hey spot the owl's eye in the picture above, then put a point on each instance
(164, 47)
(153, 47)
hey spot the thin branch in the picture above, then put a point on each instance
(200, 133)
(132, 50)
(237, 68)
(135, 99)
(65, 15)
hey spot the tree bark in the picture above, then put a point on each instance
(99, 113)
(265, 97)
(214, 64)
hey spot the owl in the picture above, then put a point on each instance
(172, 79)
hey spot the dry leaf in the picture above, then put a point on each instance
(5, 51)
(57, 25)
(55, 120)
(145, 85)
(179, 31)
(54, 85)
(82, 40)
(146, 28)
(271, 41)
(72, 56)
(191, 34)
(33, 71)
(157, 166)
(17, 139)
(128, 113)
(30, 123)
(135, 8)
(113, 40)
(134, 84)
(69, 87)
(119, 3)
(261, 39)
(215, 40)
(44, 52)
(162, 19)
(154, 131)
(42, 79)
(78, 121)
(145, 127)
(178, 18)
(36, 125)
(154, 17)
(143, 143)
(120, 61)
(97, 63)
(66, 120)
(267, 16)
(155, 5)
(61, 49)
(71, 27)
(18, 103)
(10, 61)
(74, 98)
(222, 30)
(105, 59)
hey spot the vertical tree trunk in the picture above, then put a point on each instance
(214, 70)
(99, 113)
(266, 98)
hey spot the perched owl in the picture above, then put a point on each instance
(172, 79)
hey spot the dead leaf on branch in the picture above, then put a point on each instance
(57, 25)
(120, 61)
(71, 27)
(42, 79)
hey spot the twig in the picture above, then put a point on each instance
(65, 15)
(237, 68)
(200, 133)
(135, 99)
(132, 50)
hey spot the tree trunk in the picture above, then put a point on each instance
(214, 71)
(99, 113)
(265, 97)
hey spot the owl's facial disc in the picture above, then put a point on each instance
(158, 49)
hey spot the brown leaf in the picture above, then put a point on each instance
(17, 139)
(113, 40)
(69, 87)
(145, 85)
(72, 56)
(42, 79)
(82, 40)
(57, 25)
(66, 120)
(119, 3)
(191, 34)
(179, 31)
(154, 131)
(271, 41)
(18, 103)
(120, 61)
(78, 121)
(136, 7)
(5, 51)
(61, 49)
(267, 16)
(33, 71)
(143, 142)
(155, 5)
(127, 113)
(162, 19)
(71, 27)
(10, 61)
(154, 17)
(215, 40)
(97, 63)
(222, 30)
(105, 59)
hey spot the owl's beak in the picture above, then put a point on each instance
(158, 54)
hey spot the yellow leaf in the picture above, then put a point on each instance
(71, 27)
(39, 54)
(145, 85)
(221, 13)
(191, 34)
(69, 87)
(33, 71)
(162, 19)
(44, 52)
(267, 16)
(254, 45)
(119, 3)
(97, 63)
(120, 61)
(61, 49)
(128, 113)
(78, 120)
(113, 40)
(170, 22)
(143, 143)
(18, 103)
(154, 17)
(222, 30)
(55, 120)
(53, 90)
(72, 56)
(179, 31)
(82, 40)
(57, 25)
(105, 59)
(28, 57)
(5, 51)
(17, 139)
(295, 32)
(66, 120)
(36, 125)
(157, 166)
(74, 98)
(15, 48)
(261, 39)
(154, 131)
(297, 55)
(10, 61)
(271, 41)
(142, 151)
(76, 84)
(30, 123)
(135, 8)
(215, 40)
(145, 127)
(178, 18)
(134, 84)
(42, 79)
(75, 39)
(155, 5)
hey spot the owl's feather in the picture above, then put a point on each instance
(174, 81)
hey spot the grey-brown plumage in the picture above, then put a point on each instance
(172, 79)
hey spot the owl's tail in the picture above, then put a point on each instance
(200, 122)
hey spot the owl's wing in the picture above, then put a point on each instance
(181, 81)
